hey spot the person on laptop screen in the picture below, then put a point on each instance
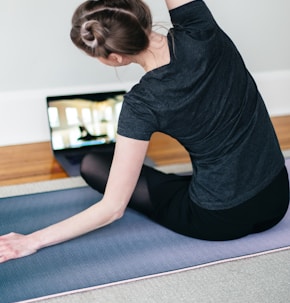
(196, 89)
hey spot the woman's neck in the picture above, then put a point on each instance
(156, 55)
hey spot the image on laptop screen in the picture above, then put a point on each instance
(78, 121)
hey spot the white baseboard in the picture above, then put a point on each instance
(23, 117)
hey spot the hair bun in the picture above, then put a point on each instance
(102, 27)
(91, 34)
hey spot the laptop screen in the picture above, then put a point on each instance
(78, 121)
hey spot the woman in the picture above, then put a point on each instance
(196, 89)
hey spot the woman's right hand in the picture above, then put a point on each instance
(13, 246)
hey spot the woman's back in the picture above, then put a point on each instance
(207, 100)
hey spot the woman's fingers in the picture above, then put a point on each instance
(13, 246)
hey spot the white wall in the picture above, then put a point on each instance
(37, 53)
(260, 29)
(38, 59)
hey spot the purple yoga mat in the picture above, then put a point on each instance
(130, 248)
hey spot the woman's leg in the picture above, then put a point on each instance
(95, 169)
(255, 215)
(164, 198)
(271, 203)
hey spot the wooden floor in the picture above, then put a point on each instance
(35, 162)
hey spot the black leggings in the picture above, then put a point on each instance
(164, 198)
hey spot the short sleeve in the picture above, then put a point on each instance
(136, 120)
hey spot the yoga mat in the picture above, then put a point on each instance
(130, 248)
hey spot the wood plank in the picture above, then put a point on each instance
(28, 163)
(164, 150)
(282, 128)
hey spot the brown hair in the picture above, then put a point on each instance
(103, 27)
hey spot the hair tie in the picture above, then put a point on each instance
(87, 36)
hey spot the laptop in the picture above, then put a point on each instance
(80, 124)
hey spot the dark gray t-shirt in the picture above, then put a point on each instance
(208, 101)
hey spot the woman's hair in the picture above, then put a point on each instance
(103, 27)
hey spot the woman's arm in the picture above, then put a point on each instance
(171, 4)
(125, 170)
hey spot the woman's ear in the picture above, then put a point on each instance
(116, 59)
